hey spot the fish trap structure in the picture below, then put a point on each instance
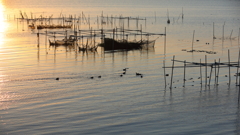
(108, 39)
(208, 77)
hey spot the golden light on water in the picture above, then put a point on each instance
(3, 24)
(3, 28)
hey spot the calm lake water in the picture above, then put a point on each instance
(32, 101)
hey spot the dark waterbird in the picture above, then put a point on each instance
(138, 73)
(57, 78)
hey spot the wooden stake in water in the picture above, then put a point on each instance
(205, 70)
(201, 71)
(218, 70)
(229, 67)
(210, 76)
(164, 73)
(184, 78)
(165, 38)
(141, 33)
(172, 71)
(38, 37)
(46, 38)
(213, 32)
(215, 64)
(113, 39)
(223, 32)
(145, 22)
(237, 75)
(193, 39)
(238, 92)
(238, 35)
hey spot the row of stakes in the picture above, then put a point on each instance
(191, 79)
(215, 65)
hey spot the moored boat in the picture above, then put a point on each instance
(111, 44)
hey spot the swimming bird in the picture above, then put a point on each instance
(57, 78)
(92, 77)
(121, 75)
(138, 73)
(99, 76)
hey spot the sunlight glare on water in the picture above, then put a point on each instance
(3, 24)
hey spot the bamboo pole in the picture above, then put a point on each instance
(238, 35)
(123, 32)
(213, 32)
(237, 75)
(22, 25)
(164, 71)
(145, 22)
(172, 71)
(218, 70)
(113, 39)
(201, 71)
(215, 80)
(128, 22)
(94, 39)
(223, 32)
(205, 70)
(210, 75)
(54, 37)
(229, 67)
(116, 33)
(46, 38)
(141, 33)
(184, 78)
(193, 39)
(165, 38)
(239, 92)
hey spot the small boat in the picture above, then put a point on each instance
(111, 44)
(64, 41)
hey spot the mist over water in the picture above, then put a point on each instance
(32, 101)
